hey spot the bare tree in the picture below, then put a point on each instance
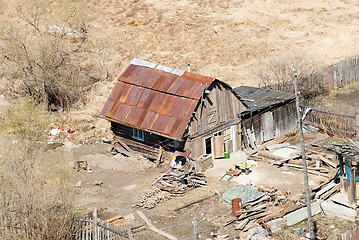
(276, 72)
(47, 52)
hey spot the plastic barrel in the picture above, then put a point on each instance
(226, 155)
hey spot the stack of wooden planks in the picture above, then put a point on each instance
(178, 181)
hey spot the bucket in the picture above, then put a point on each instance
(226, 155)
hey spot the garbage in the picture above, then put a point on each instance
(78, 184)
(298, 231)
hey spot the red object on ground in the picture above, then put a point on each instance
(60, 128)
(236, 206)
(234, 173)
(71, 131)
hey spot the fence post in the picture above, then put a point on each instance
(357, 122)
(94, 216)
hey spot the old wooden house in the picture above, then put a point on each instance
(269, 114)
(155, 107)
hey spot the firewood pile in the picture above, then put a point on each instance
(178, 182)
(152, 198)
(175, 182)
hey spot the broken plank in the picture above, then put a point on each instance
(242, 224)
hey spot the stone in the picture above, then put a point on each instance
(301, 214)
(275, 225)
(332, 209)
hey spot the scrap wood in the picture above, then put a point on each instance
(242, 224)
(259, 208)
(138, 228)
(112, 219)
(262, 146)
(259, 215)
(153, 228)
(314, 188)
(330, 192)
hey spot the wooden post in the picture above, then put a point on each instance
(353, 195)
(304, 161)
(357, 122)
(95, 228)
(195, 229)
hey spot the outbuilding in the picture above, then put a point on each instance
(154, 107)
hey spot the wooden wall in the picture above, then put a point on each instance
(219, 110)
(272, 123)
(149, 147)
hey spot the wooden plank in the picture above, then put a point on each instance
(109, 220)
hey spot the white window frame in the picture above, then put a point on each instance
(226, 132)
(138, 134)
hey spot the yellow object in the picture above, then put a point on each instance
(174, 158)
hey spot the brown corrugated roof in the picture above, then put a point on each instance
(155, 98)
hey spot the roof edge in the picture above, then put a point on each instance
(160, 134)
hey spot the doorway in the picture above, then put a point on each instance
(208, 145)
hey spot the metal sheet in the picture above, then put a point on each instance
(154, 99)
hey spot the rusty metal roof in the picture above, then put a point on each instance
(155, 98)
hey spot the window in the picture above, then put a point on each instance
(226, 133)
(138, 134)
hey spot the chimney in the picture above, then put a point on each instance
(188, 68)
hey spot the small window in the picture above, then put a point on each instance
(138, 134)
(226, 133)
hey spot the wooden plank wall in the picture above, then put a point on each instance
(149, 147)
(220, 108)
(284, 121)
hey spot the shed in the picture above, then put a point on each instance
(269, 114)
(153, 106)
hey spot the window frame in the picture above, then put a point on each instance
(138, 134)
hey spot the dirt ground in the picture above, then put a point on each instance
(125, 179)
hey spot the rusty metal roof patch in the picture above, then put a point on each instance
(155, 98)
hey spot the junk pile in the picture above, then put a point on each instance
(256, 212)
(175, 182)
(318, 162)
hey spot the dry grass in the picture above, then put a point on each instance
(223, 39)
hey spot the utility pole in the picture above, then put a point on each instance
(304, 161)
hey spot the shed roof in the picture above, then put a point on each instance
(256, 98)
(155, 98)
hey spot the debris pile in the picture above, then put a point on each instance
(255, 205)
(178, 182)
(175, 182)
(318, 162)
(150, 199)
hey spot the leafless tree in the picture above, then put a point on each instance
(276, 72)
(47, 52)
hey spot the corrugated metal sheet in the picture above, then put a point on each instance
(155, 98)
(256, 98)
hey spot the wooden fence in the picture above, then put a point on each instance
(348, 235)
(335, 76)
(96, 229)
(333, 120)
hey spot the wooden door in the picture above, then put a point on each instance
(218, 146)
(268, 126)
